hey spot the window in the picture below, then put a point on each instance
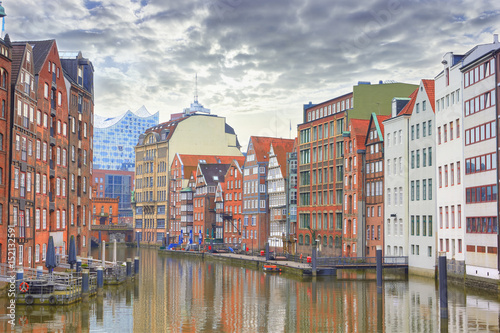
(487, 193)
(429, 183)
(46, 91)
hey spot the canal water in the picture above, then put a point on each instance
(191, 295)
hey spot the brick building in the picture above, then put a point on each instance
(354, 213)
(374, 177)
(5, 125)
(79, 79)
(22, 194)
(320, 176)
(52, 138)
(182, 183)
(255, 195)
(116, 184)
(208, 177)
(228, 209)
(104, 213)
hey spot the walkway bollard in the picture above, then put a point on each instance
(136, 266)
(103, 256)
(78, 265)
(114, 251)
(313, 259)
(85, 281)
(100, 277)
(39, 272)
(267, 251)
(379, 268)
(129, 267)
(19, 277)
(443, 285)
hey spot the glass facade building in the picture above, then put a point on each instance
(115, 138)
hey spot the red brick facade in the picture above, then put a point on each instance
(375, 185)
(354, 145)
(255, 196)
(5, 125)
(228, 199)
(78, 73)
(320, 176)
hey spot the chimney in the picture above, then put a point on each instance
(495, 39)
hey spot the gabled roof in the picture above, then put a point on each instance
(280, 150)
(377, 122)
(41, 49)
(429, 89)
(408, 109)
(262, 146)
(190, 162)
(213, 173)
(479, 51)
(169, 125)
(17, 60)
(359, 128)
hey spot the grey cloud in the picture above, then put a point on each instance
(252, 56)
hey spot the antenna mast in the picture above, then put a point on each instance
(196, 88)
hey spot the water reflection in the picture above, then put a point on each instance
(192, 295)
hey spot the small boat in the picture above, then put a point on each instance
(271, 268)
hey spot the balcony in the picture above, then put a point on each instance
(53, 108)
(227, 216)
(52, 172)
(52, 137)
(54, 84)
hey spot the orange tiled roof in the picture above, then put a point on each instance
(280, 150)
(262, 146)
(429, 88)
(193, 160)
(408, 109)
(359, 128)
(380, 120)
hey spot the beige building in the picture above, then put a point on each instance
(196, 133)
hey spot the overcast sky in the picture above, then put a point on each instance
(258, 61)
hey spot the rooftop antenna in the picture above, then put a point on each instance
(196, 89)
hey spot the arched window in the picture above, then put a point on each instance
(330, 242)
(308, 240)
(4, 78)
(301, 239)
(325, 241)
(338, 243)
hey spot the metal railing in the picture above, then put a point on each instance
(359, 261)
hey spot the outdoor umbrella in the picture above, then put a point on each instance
(180, 238)
(72, 252)
(200, 239)
(50, 256)
(190, 236)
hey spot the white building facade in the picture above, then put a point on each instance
(480, 92)
(277, 200)
(450, 224)
(396, 179)
(422, 208)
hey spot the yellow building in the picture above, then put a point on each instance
(194, 132)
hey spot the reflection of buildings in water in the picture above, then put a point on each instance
(422, 302)
(48, 318)
(396, 306)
